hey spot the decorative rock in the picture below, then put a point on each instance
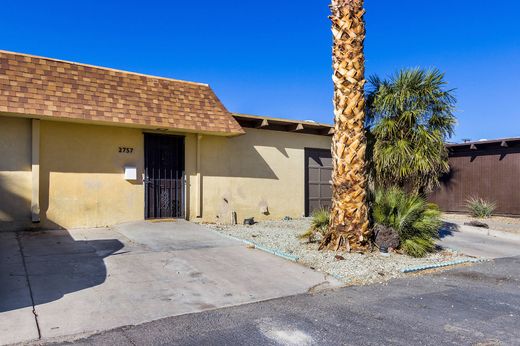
(249, 221)
(282, 238)
(476, 223)
(385, 237)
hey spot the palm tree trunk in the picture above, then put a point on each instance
(348, 220)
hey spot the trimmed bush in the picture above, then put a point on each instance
(479, 207)
(416, 221)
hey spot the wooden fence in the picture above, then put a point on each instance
(486, 169)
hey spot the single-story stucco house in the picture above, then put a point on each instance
(86, 146)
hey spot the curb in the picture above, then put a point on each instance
(484, 231)
(261, 247)
(271, 251)
(439, 265)
(489, 232)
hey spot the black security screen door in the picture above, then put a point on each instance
(164, 176)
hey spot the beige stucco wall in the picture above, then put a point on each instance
(82, 175)
(82, 183)
(261, 169)
(15, 173)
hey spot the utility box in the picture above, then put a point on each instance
(130, 173)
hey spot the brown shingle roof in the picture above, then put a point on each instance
(50, 88)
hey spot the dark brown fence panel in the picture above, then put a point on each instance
(488, 172)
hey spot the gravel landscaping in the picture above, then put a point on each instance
(353, 269)
(498, 223)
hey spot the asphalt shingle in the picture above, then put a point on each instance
(50, 88)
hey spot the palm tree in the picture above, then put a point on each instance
(410, 117)
(348, 220)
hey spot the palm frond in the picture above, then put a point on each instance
(410, 117)
(416, 221)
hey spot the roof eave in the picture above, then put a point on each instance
(165, 129)
(286, 125)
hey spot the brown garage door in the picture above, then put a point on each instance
(318, 187)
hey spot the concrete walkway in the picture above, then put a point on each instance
(479, 242)
(83, 281)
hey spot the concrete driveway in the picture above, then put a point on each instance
(479, 242)
(77, 282)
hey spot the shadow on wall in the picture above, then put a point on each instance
(447, 179)
(234, 159)
(259, 154)
(56, 265)
(15, 210)
(445, 194)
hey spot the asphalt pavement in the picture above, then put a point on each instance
(470, 305)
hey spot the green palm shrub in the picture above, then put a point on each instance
(416, 221)
(479, 207)
(409, 117)
(319, 224)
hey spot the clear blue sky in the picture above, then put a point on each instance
(273, 57)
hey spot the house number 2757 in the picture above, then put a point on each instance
(126, 150)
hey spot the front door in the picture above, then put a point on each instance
(164, 176)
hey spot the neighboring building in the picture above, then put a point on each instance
(85, 146)
(489, 169)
